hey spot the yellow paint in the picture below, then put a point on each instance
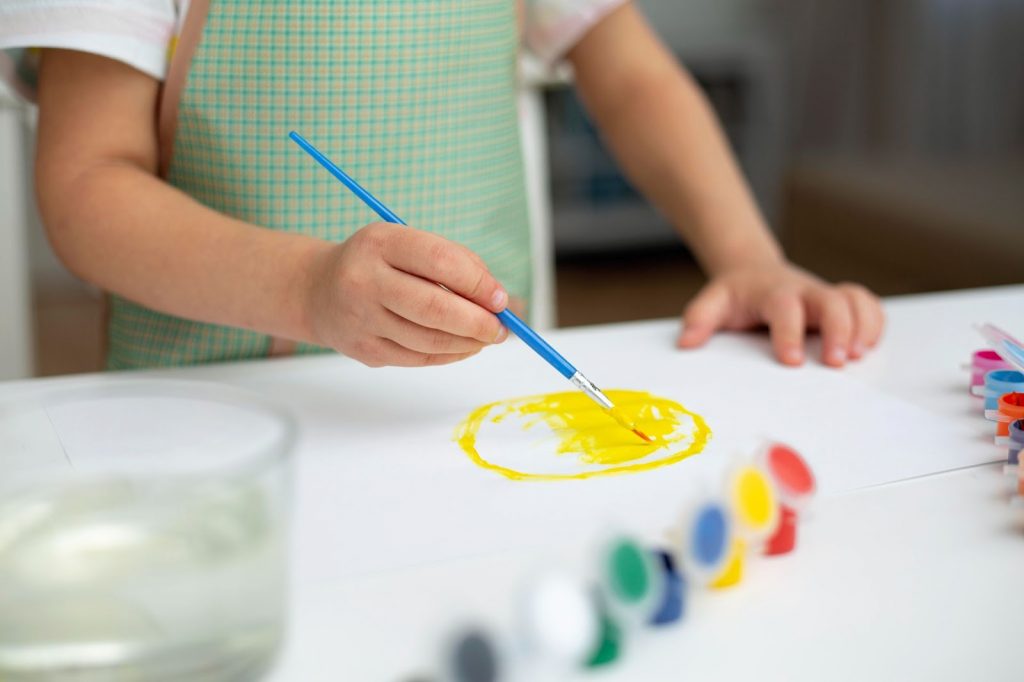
(585, 430)
(733, 571)
(754, 499)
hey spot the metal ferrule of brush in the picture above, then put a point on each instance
(587, 386)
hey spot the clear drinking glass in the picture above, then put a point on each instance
(142, 533)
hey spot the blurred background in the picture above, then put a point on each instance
(884, 140)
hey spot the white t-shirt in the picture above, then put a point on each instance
(143, 33)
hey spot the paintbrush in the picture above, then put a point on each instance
(507, 317)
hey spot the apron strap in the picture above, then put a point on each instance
(167, 112)
(174, 84)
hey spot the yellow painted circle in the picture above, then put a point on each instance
(581, 429)
(754, 499)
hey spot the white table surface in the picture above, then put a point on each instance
(920, 579)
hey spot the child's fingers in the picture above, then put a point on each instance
(437, 259)
(835, 320)
(704, 315)
(868, 318)
(381, 352)
(423, 339)
(429, 305)
(783, 311)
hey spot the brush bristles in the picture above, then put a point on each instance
(643, 435)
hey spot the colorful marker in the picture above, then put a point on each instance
(795, 485)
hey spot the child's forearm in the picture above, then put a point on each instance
(372, 297)
(118, 226)
(125, 231)
(664, 134)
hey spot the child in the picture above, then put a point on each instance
(170, 182)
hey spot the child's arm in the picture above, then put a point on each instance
(118, 226)
(665, 135)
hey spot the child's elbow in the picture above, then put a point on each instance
(61, 196)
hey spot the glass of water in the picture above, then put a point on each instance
(142, 532)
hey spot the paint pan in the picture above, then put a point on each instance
(560, 621)
(473, 655)
(754, 502)
(631, 580)
(751, 497)
(1014, 447)
(706, 541)
(610, 643)
(673, 602)
(983, 362)
(1010, 407)
(999, 382)
(795, 485)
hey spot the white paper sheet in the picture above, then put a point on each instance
(384, 485)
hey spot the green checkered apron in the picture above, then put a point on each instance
(414, 98)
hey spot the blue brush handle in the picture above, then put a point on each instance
(380, 209)
(507, 317)
(536, 342)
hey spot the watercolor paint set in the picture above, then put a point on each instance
(570, 621)
(997, 375)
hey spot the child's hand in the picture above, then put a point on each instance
(789, 301)
(375, 298)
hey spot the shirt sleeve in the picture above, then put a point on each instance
(552, 27)
(139, 33)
